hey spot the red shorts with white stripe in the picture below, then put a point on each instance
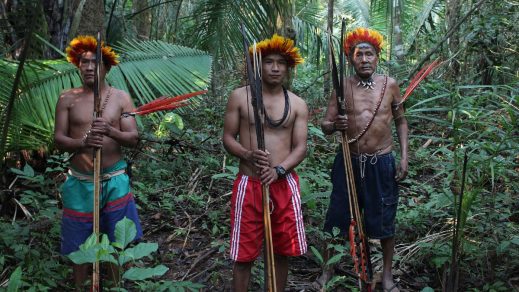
(288, 232)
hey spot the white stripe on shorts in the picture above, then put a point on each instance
(296, 204)
(240, 196)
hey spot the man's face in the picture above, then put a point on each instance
(87, 65)
(364, 59)
(274, 69)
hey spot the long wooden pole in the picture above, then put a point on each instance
(356, 234)
(97, 162)
(254, 78)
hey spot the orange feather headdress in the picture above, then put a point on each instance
(279, 45)
(363, 35)
(87, 43)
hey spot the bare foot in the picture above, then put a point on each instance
(320, 283)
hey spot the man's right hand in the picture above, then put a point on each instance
(258, 158)
(340, 123)
(93, 140)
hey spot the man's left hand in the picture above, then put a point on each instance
(101, 126)
(401, 171)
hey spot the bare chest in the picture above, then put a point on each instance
(364, 104)
(278, 114)
(81, 112)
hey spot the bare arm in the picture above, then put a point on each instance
(299, 139)
(401, 130)
(332, 120)
(61, 128)
(231, 128)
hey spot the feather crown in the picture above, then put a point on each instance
(88, 43)
(363, 35)
(279, 45)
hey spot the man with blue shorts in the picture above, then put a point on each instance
(76, 131)
(371, 104)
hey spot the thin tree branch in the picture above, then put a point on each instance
(131, 15)
(10, 104)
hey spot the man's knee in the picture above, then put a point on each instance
(241, 267)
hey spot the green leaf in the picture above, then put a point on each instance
(15, 281)
(137, 274)
(139, 251)
(28, 171)
(335, 259)
(16, 171)
(427, 289)
(440, 260)
(125, 232)
(83, 256)
(317, 254)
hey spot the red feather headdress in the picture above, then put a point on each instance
(363, 35)
(279, 45)
(87, 43)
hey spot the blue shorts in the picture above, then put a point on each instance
(116, 202)
(377, 193)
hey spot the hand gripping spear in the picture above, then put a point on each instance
(97, 160)
(254, 80)
(359, 248)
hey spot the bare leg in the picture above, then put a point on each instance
(281, 271)
(81, 275)
(113, 275)
(388, 247)
(241, 276)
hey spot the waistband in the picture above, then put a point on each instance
(116, 169)
(258, 180)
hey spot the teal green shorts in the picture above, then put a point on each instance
(116, 202)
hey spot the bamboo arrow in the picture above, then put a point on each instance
(359, 248)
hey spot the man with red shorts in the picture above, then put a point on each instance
(285, 133)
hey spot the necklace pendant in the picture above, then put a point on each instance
(368, 83)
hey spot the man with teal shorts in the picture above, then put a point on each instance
(76, 131)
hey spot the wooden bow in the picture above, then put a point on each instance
(359, 247)
(255, 85)
(97, 160)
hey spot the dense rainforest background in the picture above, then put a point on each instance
(454, 231)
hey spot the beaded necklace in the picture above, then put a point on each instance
(361, 133)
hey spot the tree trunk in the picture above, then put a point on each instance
(452, 16)
(142, 20)
(92, 18)
(327, 62)
(397, 43)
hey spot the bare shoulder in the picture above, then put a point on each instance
(297, 102)
(239, 96)
(68, 96)
(120, 94)
(391, 82)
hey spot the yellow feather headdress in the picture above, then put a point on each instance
(279, 45)
(88, 43)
